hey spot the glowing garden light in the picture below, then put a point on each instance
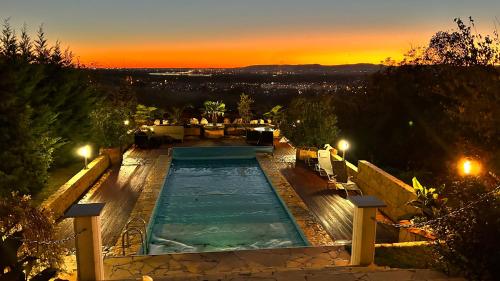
(343, 145)
(85, 152)
(469, 167)
(126, 122)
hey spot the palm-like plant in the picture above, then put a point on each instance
(175, 113)
(213, 109)
(276, 114)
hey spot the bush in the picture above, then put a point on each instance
(108, 126)
(310, 122)
(21, 224)
(468, 236)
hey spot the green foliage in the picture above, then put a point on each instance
(175, 113)
(429, 200)
(276, 114)
(143, 114)
(469, 235)
(108, 127)
(245, 107)
(44, 110)
(21, 225)
(311, 121)
(445, 107)
(213, 109)
(459, 47)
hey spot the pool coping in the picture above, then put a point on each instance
(284, 205)
(308, 228)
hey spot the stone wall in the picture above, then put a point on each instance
(72, 190)
(395, 193)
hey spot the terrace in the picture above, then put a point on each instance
(130, 190)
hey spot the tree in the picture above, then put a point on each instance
(42, 51)
(245, 107)
(108, 126)
(460, 47)
(213, 109)
(43, 115)
(311, 121)
(25, 45)
(143, 114)
(21, 227)
(8, 40)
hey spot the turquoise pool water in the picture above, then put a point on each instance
(219, 203)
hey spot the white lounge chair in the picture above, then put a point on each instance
(341, 177)
(324, 166)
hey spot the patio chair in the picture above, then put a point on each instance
(324, 166)
(341, 177)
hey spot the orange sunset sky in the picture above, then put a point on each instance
(223, 33)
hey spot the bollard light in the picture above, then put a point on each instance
(85, 152)
(343, 145)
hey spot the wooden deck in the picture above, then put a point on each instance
(330, 206)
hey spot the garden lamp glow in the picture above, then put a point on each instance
(343, 145)
(85, 152)
(126, 122)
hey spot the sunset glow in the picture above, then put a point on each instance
(238, 33)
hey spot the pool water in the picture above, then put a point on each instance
(220, 205)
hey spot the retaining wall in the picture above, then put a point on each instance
(374, 181)
(73, 189)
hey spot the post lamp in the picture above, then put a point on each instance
(343, 145)
(85, 152)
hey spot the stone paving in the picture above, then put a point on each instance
(220, 264)
(314, 232)
(146, 202)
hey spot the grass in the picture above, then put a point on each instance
(57, 177)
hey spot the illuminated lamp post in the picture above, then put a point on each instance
(85, 152)
(343, 146)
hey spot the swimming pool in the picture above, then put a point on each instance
(220, 202)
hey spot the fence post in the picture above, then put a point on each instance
(88, 241)
(364, 229)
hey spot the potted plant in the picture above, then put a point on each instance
(214, 109)
(276, 115)
(110, 131)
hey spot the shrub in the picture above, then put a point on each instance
(310, 122)
(468, 235)
(21, 224)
